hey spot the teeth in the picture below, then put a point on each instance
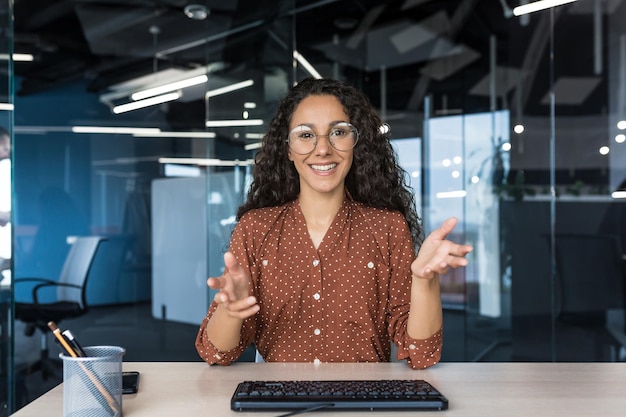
(323, 167)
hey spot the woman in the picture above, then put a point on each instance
(322, 264)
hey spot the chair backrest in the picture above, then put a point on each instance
(76, 268)
(590, 273)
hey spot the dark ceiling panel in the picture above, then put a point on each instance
(426, 46)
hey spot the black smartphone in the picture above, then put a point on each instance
(130, 382)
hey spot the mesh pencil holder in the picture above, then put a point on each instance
(92, 385)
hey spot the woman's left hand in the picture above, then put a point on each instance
(437, 255)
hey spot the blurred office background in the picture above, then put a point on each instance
(514, 124)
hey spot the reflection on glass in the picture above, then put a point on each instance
(472, 197)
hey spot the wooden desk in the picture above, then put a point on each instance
(195, 389)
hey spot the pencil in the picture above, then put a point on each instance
(57, 333)
(111, 401)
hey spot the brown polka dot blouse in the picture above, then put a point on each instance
(344, 302)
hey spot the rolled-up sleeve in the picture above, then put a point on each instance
(209, 353)
(423, 353)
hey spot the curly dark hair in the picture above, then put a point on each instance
(375, 178)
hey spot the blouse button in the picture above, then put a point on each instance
(370, 265)
(317, 332)
(316, 296)
(412, 346)
(316, 262)
(316, 361)
(264, 262)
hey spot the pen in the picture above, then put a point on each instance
(62, 340)
(109, 399)
(73, 343)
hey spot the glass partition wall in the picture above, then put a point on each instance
(510, 123)
(7, 383)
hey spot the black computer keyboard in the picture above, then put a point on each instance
(338, 395)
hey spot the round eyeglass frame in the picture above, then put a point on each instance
(354, 130)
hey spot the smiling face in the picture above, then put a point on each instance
(324, 170)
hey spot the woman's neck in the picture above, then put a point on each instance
(320, 208)
(319, 211)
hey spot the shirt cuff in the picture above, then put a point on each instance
(213, 356)
(422, 353)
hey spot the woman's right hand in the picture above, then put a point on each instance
(234, 289)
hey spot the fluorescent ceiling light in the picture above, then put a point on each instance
(23, 57)
(40, 130)
(538, 5)
(135, 131)
(229, 88)
(18, 57)
(7, 106)
(177, 170)
(114, 130)
(233, 123)
(254, 135)
(307, 66)
(206, 161)
(204, 135)
(145, 103)
(618, 194)
(154, 80)
(187, 82)
(252, 146)
(452, 194)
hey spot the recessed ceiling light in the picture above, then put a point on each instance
(196, 11)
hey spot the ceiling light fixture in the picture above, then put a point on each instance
(18, 57)
(196, 11)
(115, 130)
(206, 161)
(200, 135)
(452, 194)
(255, 135)
(233, 123)
(7, 106)
(229, 88)
(187, 82)
(157, 80)
(538, 5)
(306, 64)
(122, 108)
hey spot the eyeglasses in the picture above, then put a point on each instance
(342, 136)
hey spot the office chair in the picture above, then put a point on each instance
(589, 281)
(68, 302)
